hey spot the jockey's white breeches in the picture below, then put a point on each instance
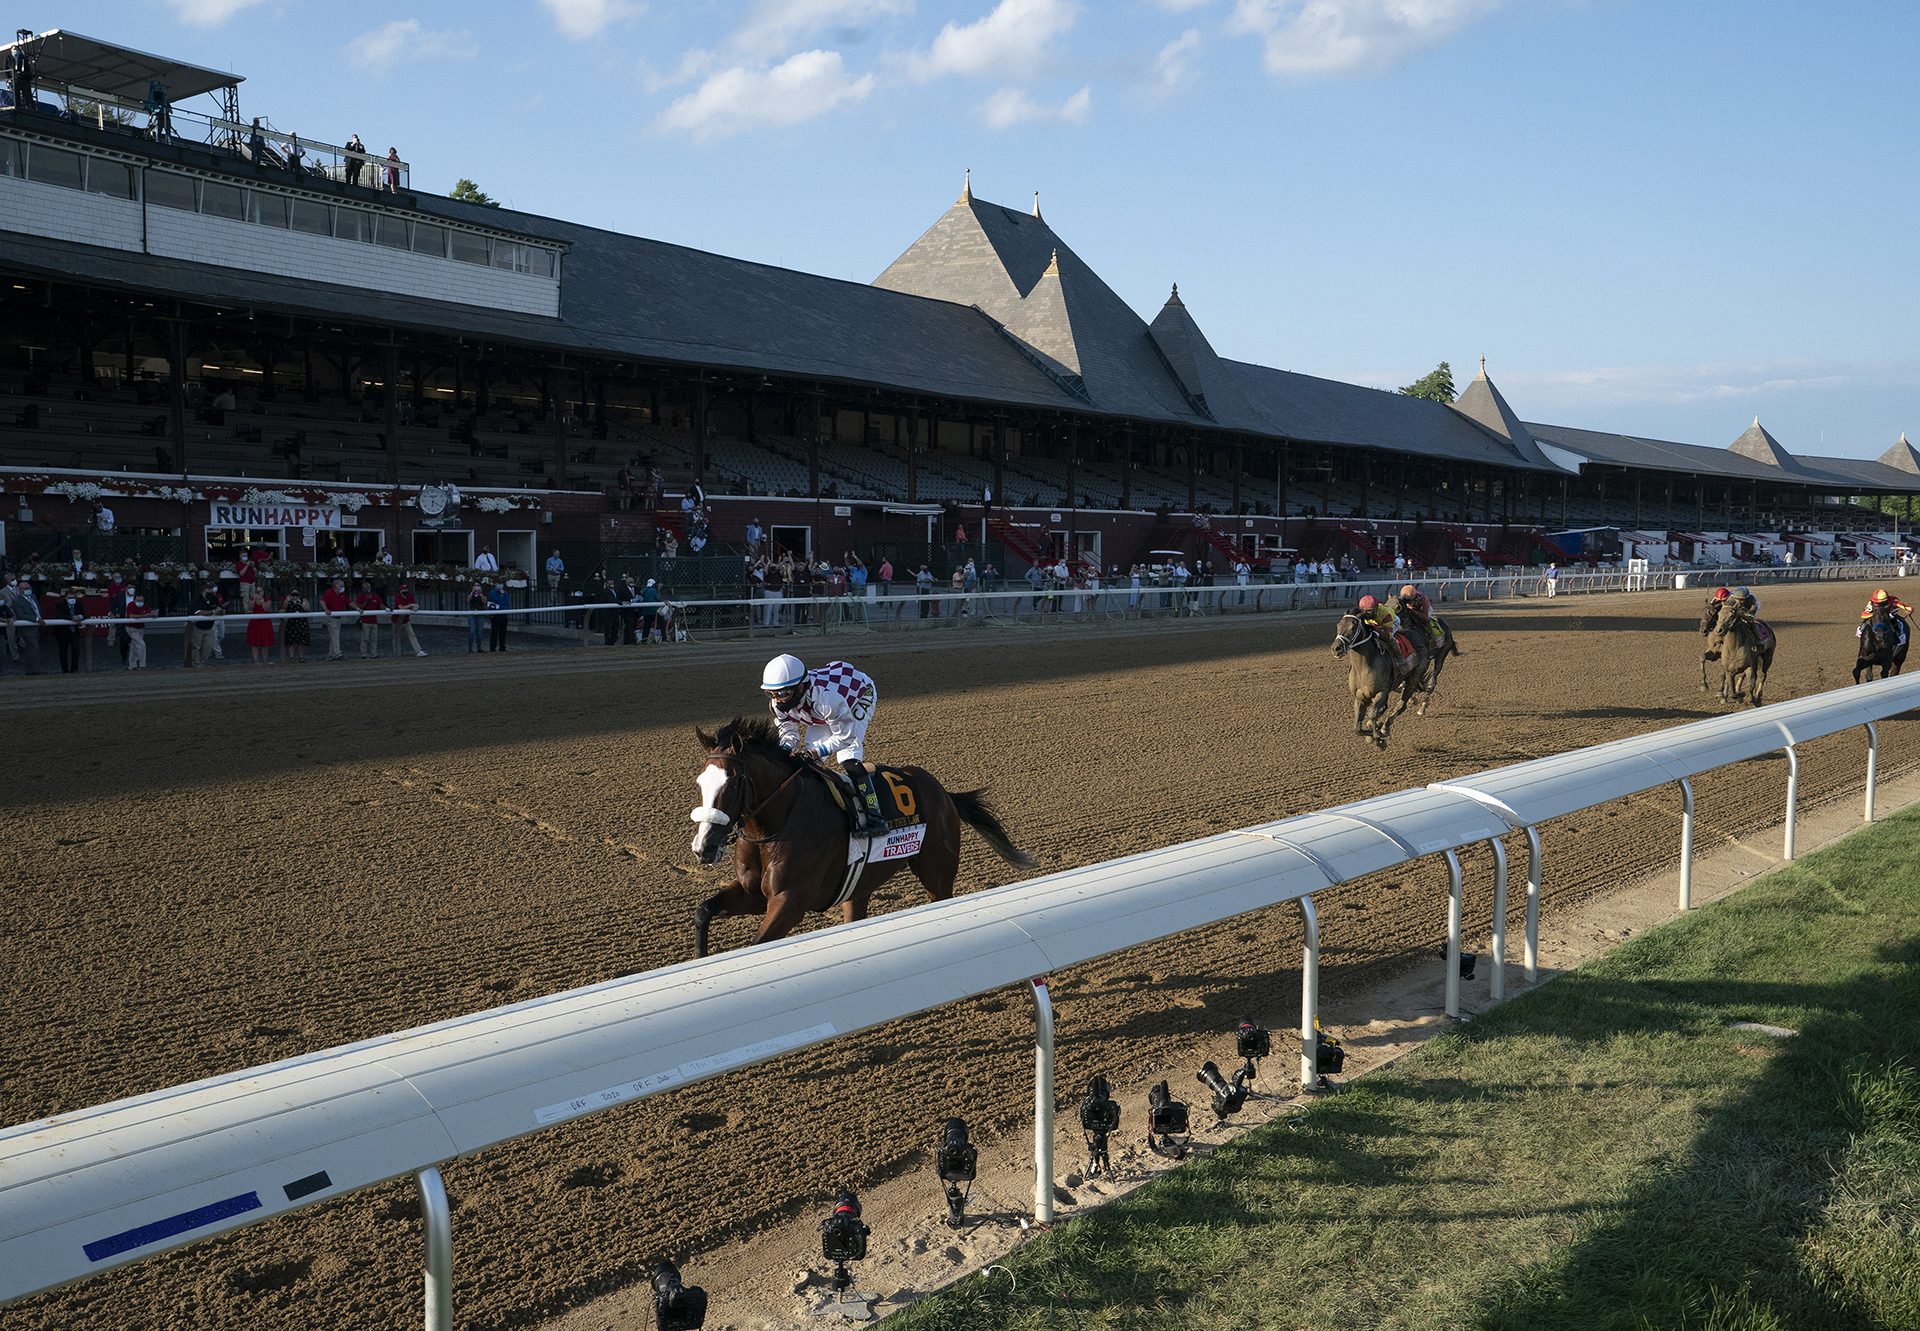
(848, 741)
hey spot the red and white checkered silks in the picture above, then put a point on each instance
(835, 711)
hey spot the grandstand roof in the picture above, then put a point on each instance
(1901, 457)
(1763, 448)
(1623, 450)
(70, 57)
(1195, 366)
(1483, 404)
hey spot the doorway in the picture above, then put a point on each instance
(796, 541)
(516, 551)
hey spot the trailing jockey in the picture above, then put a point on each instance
(1381, 618)
(1894, 608)
(1417, 610)
(826, 712)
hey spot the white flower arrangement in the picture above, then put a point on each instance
(178, 493)
(352, 500)
(86, 491)
(257, 496)
(497, 504)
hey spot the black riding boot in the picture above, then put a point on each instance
(870, 822)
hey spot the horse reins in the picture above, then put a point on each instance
(740, 827)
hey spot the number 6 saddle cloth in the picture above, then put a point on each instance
(899, 806)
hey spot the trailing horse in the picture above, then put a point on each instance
(1375, 672)
(790, 837)
(1883, 644)
(1744, 647)
(1441, 647)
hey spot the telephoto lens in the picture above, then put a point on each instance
(677, 1307)
(957, 1157)
(1227, 1098)
(1099, 1115)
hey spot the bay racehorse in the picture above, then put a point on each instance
(789, 835)
(1440, 646)
(1375, 672)
(1883, 644)
(1744, 647)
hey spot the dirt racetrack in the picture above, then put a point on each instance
(209, 871)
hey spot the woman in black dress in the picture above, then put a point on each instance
(297, 632)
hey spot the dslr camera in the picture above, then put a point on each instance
(955, 1162)
(676, 1307)
(1099, 1115)
(1166, 1119)
(1228, 1097)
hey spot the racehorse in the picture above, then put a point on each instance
(1375, 671)
(1442, 647)
(1883, 643)
(1744, 647)
(789, 836)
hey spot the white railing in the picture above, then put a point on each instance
(87, 1191)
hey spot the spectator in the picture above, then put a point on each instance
(294, 153)
(9, 647)
(776, 590)
(1553, 579)
(200, 628)
(354, 163)
(1242, 575)
(66, 635)
(220, 623)
(247, 573)
(386, 557)
(497, 601)
(486, 563)
(476, 618)
(23, 625)
(260, 630)
(393, 170)
(137, 613)
(1037, 581)
(370, 603)
(335, 602)
(623, 487)
(960, 533)
(652, 493)
(754, 536)
(627, 595)
(295, 631)
(556, 570)
(669, 546)
(256, 143)
(649, 603)
(404, 604)
(923, 584)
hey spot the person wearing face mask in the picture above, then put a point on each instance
(137, 613)
(23, 631)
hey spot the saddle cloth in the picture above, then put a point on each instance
(889, 785)
(1405, 644)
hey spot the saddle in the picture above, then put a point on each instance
(1405, 644)
(889, 786)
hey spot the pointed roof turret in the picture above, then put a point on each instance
(1036, 205)
(1902, 457)
(1482, 404)
(966, 190)
(1207, 381)
(1174, 299)
(1763, 448)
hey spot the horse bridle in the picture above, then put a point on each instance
(738, 826)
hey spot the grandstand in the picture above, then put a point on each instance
(192, 314)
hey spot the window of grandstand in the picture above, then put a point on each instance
(312, 218)
(505, 253)
(390, 231)
(170, 190)
(352, 224)
(106, 177)
(9, 158)
(267, 209)
(469, 248)
(54, 166)
(218, 200)
(429, 239)
(451, 546)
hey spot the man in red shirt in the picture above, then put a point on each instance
(334, 601)
(370, 603)
(403, 634)
(137, 611)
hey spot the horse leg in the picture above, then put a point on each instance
(1360, 702)
(734, 900)
(785, 909)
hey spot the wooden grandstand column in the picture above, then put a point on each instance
(1000, 459)
(1280, 471)
(1637, 479)
(913, 457)
(1073, 468)
(389, 373)
(1239, 465)
(1193, 473)
(177, 390)
(1366, 487)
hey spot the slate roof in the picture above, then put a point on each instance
(1762, 447)
(1901, 457)
(1635, 451)
(1483, 404)
(1208, 382)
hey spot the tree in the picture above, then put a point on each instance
(1435, 387)
(98, 113)
(468, 192)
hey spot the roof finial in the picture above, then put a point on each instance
(1903, 436)
(1053, 264)
(1483, 365)
(1036, 203)
(966, 190)
(1174, 299)
(1756, 420)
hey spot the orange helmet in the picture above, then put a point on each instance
(1722, 594)
(1367, 603)
(1880, 596)
(1409, 591)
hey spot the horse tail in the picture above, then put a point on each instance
(975, 813)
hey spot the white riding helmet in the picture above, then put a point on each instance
(782, 673)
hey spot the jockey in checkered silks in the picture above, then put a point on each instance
(826, 713)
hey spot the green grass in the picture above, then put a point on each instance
(1606, 1152)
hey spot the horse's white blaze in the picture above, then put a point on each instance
(712, 780)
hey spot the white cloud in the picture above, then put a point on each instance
(385, 46)
(208, 13)
(1181, 6)
(798, 89)
(1709, 381)
(774, 27)
(1008, 107)
(1327, 38)
(1173, 68)
(1011, 40)
(581, 19)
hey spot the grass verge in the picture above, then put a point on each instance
(1609, 1151)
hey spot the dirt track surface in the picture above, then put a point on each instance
(210, 872)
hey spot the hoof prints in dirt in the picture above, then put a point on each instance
(598, 1175)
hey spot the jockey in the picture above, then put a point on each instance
(1719, 602)
(1747, 600)
(1894, 606)
(1380, 616)
(1413, 603)
(826, 713)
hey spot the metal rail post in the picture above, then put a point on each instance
(1873, 764)
(439, 1221)
(1793, 798)
(1042, 1103)
(1534, 866)
(1686, 844)
(1498, 979)
(1455, 893)
(1309, 992)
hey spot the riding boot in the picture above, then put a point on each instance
(870, 820)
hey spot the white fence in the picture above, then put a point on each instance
(87, 1191)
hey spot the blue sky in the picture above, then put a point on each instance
(1651, 217)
